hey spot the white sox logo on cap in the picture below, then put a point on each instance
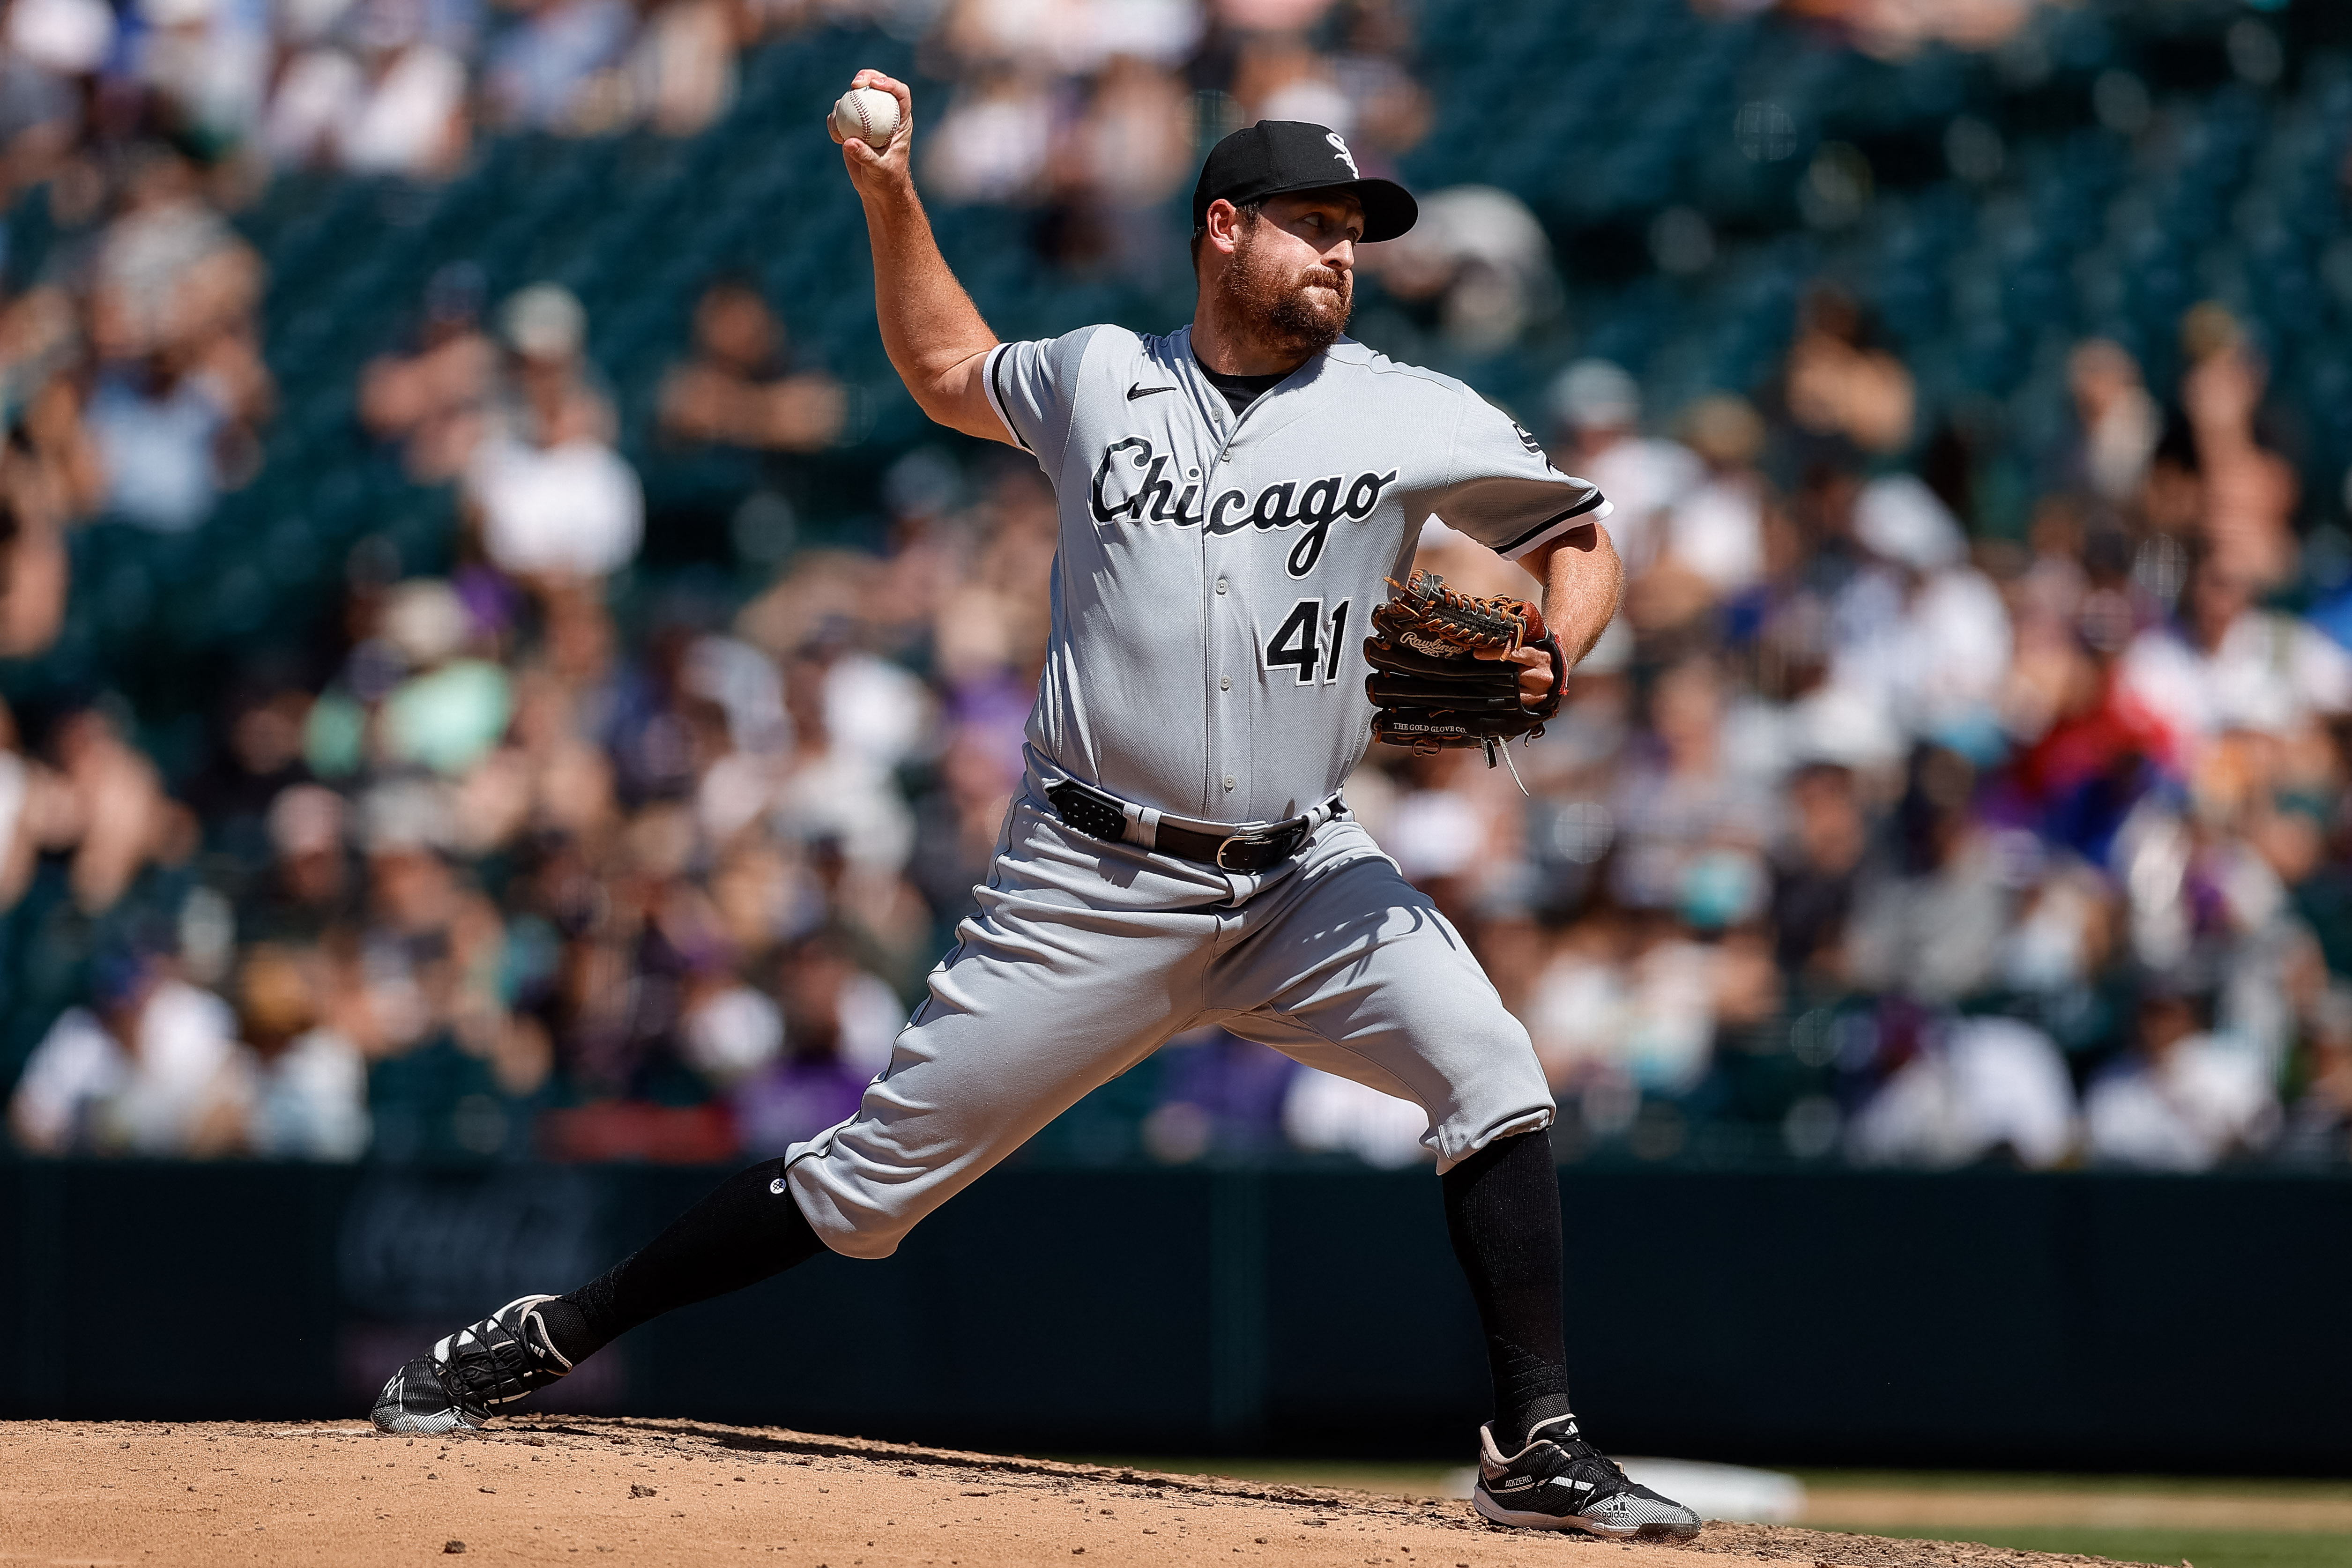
(1275, 157)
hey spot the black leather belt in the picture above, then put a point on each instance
(1102, 815)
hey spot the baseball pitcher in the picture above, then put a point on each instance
(1238, 499)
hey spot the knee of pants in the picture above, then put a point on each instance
(1510, 1097)
(1472, 1069)
(1475, 1076)
(1455, 1144)
(860, 1201)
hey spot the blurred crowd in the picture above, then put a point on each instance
(370, 87)
(1084, 99)
(1862, 836)
(1941, 850)
(1857, 837)
(132, 379)
(1092, 111)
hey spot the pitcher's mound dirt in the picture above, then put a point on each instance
(562, 1491)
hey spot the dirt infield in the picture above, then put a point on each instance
(687, 1492)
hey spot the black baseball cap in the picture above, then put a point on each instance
(1278, 156)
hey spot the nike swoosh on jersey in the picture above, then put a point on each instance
(1139, 389)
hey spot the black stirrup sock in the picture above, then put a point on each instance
(748, 1229)
(1502, 1210)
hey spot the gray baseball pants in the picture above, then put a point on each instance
(1085, 956)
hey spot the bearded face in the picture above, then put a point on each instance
(1297, 309)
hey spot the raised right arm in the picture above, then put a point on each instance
(930, 329)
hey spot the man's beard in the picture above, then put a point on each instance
(1302, 313)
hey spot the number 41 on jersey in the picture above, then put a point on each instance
(1302, 645)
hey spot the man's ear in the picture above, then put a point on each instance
(1224, 221)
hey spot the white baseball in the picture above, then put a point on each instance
(867, 113)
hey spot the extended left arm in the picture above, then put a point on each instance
(1583, 580)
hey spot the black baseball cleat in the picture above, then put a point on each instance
(1560, 1481)
(473, 1371)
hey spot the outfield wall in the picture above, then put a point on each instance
(1985, 1320)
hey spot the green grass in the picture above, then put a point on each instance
(2204, 1548)
(1995, 1481)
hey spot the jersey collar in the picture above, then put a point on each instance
(1291, 398)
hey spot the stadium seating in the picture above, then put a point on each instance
(1601, 115)
(2234, 196)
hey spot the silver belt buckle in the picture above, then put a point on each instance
(1258, 838)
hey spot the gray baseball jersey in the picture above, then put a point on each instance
(1215, 573)
(1210, 594)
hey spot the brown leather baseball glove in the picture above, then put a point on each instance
(1430, 689)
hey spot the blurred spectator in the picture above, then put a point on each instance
(161, 431)
(839, 1022)
(1917, 631)
(552, 497)
(381, 99)
(2181, 1100)
(1278, 75)
(681, 73)
(1928, 923)
(2249, 491)
(1390, 109)
(2120, 423)
(33, 571)
(1127, 155)
(2319, 1128)
(1990, 1088)
(1325, 1115)
(95, 799)
(1814, 877)
(181, 389)
(734, 391)
(2226, 665)
(1840, 385)
(436, 398)
(47, 51)
(150, 1068)
(451, 709)
(172, 277)
(1692, 815)
(552, 70)
(1628, 1007)
(1715, 535)
(1271, 16)
(1598, 409)
(1220, 1096)
(1477, 263)
(309, 886)
(52, 474)
(993, 141)
(207, 64)
(50, 468)
(307, 1094)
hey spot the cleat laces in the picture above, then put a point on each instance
(491, 1363)
(1590, 1473)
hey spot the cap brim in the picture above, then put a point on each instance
(1389, 208)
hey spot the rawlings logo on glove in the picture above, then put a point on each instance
(1431, 690)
